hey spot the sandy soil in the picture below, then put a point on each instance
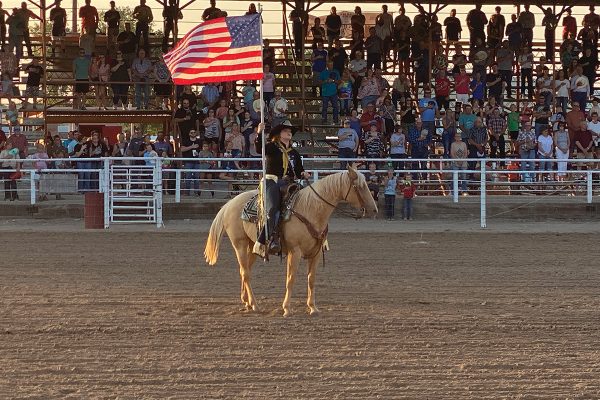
(449, 315)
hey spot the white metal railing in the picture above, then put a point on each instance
(437, 174)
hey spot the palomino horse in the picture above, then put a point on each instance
(302, 236)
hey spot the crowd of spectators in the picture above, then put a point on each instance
(461, 102)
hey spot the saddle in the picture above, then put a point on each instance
(289, 195)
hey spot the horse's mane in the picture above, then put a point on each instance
(308, 200)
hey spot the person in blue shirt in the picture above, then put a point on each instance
(419, 138)
(329, 79)
(428, 108)
(477, 88)
(319, 60)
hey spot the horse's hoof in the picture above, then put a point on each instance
(255, 308)
(286, 313)
(314, 312)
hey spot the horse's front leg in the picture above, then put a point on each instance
(293, 259)
(245, 259)
(312, 272)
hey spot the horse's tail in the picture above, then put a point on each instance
(211, 251)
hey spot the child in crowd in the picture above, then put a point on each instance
(149, 154)
(512, 121)
(398, 146)
(545, 150)
(390, 184)
(458, 153)
(12, 115)
(373, 181)
(205, 166)
(39, 163)
(408, 193)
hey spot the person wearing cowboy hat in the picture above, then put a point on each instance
(283, 165)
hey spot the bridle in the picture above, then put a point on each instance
(361, 200)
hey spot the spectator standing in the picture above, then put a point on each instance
(569, 25)
(527, 144)
(512, 122)
(58, 17)
(345, 92)
(211, 12)
(34, 76)
(398, 147)
(141, 70)
(339, 57)
(81, 68)
(514, 33)
(580, 88)
(584, 144)
(112, 18)
(268, 84)
(526, 63)
(562, 145)
(103, 69)
(527, 20)
(278, 108)
(357, 23)
(384, 25)
(442, 90)
(390, 184)
(3, 15)
(458, 154)
(453, 29)
(8, 162)
(358, 70)
(374, 47)
(545, 152)
(373, 143)
(144, 17)
(550, 22)
(190, 148)
(348, 142)
(319, 64)
(589, 65)
(212, 131)
(329, 79)
(268, 55)
(298, 18)
(449, 122)
(16, 32)
(478, 139)
(126, 41)
(420, 137)
(210, 94)
(594, 127)
(120, 75)
(333, 23)
(429, 110)
(573, 119)
(171, 14)
(87, 42)
(89, 18)
(495, 84)
(369, 90)
(476, 21)
(497, 127)
(317, 32)
(408, 194)
(186, 120)
(505, 58)
(25, 15)
(541, 113)
(163, 88)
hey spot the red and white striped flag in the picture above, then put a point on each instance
(218, 50)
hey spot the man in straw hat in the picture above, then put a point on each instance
(283, 165)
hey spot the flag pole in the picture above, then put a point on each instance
(263, 185)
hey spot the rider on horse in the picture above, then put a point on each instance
(283, 166)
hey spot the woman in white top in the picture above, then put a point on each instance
(268, 84)
(562, 144)
(526, 63)
(545, 150)
(561, 88)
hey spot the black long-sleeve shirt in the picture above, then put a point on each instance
(274, 161)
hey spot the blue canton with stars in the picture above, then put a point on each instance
(244, 31)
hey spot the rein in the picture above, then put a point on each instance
(344, 212)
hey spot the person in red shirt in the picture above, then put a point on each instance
(569, 26)
(584, 144)
(89, 18)
(461, 85)
(408, 193)
(442, 90)
(368, 116)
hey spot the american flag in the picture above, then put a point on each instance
(218, 50)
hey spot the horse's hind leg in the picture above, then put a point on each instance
(246, 259)
(312, 271)
(293, 260)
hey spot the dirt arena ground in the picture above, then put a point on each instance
(411, 313)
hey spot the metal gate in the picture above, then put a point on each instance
(135, 194)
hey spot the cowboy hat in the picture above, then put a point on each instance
(276, 131)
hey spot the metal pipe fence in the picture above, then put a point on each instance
(182, 178)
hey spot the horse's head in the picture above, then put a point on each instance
(359, 195)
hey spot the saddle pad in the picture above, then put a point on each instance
(250, 210)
